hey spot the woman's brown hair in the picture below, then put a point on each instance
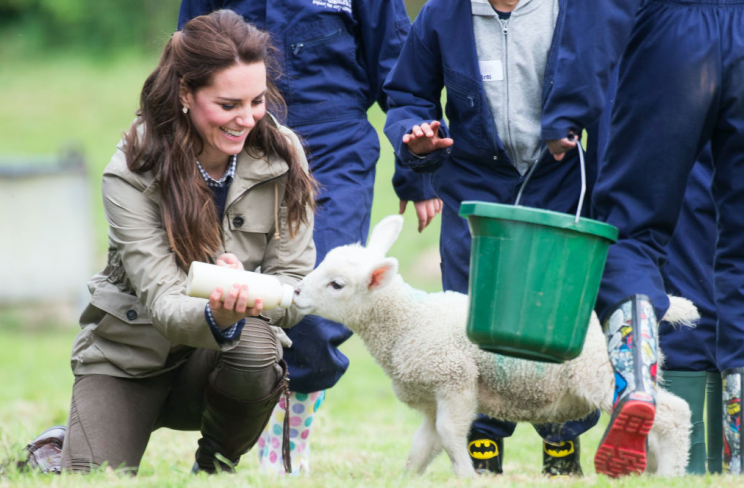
(164, 140)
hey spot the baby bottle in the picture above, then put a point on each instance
(204, 278)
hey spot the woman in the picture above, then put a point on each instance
(337, 55)
(204, 174)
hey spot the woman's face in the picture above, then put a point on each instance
(224, 112)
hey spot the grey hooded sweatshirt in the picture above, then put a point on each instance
(512, 54)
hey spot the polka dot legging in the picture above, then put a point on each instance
(303, 407)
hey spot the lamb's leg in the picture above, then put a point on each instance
(669, 439)
(425, 446)
(455, 414)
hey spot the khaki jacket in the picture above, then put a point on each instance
(140, 322)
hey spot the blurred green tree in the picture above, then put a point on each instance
(93, 26)
(28, 26)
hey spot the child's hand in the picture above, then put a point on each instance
(426, 210)
(424, 139)
(559, 147)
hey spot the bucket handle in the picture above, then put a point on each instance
(583, 178)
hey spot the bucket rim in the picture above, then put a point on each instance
(538, 216)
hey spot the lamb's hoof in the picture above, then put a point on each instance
(623, 447)
(563, 459)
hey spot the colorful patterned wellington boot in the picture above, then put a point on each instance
(733, 457)
(631, 334)
(562, 459)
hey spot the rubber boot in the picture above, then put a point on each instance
(732, 453)
(487, 454)
(632, 346)
(562, 459)
(690, 386)
(230, 427)
(714, 423)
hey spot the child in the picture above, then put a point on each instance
(497, 61)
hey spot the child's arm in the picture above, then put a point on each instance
(414, 88)
(591, 37)
(383, 27)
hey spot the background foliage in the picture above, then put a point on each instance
(95, 26)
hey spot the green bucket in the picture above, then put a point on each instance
(534, 278)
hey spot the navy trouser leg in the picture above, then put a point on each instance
(728, 192)
(664, 112)
(346, 174)
(688, 272)
(554, 186)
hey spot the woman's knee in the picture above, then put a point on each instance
(251, 369)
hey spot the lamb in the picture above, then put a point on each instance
(419, 340)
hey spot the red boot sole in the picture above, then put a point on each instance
(623, 448)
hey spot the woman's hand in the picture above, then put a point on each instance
(424, 139)
(230, 260)
(234, 307)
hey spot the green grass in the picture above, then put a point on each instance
(362, 434)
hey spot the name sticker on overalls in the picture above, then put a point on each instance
(491, 70)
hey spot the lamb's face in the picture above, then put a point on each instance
(335, 286)
(345, 284)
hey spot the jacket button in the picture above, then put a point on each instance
(495, 158)
(238, 221)
(131, 314)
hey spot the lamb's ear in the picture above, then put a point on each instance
(382, 274)
(385, 233)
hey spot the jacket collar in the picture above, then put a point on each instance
(251, 170)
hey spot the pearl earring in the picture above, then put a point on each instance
(185, 110)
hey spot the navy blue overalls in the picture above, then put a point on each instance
(439, 53)
(688, 272)
(680, 87)
(688, 269)
(335, 57)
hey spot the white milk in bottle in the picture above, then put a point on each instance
(204, 278)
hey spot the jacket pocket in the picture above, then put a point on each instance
(464, 110)
(125, 336)
(320, 61)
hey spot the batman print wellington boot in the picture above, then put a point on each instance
(632, 346)
(487, 454)
(733, 456)
(562, 459)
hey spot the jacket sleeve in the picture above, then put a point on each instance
(290, 259)
(590, 37)
(194, 8)
(383, 26)
(137, 233)
(411, 186)
(414, 89)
